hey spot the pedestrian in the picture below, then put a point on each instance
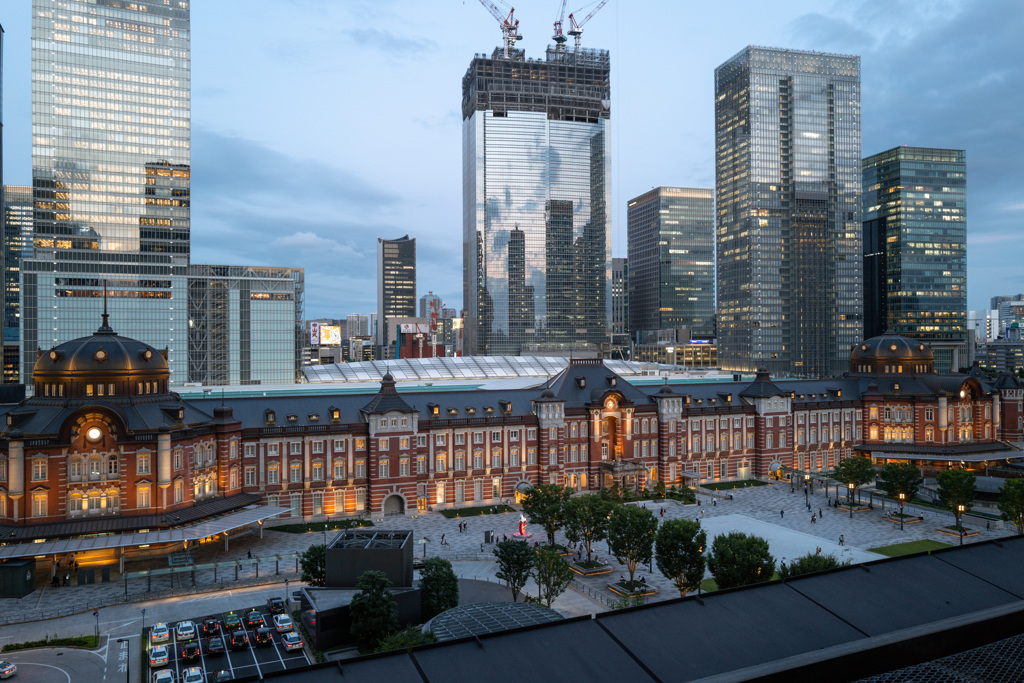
(701, 513)
(250, 554)
(782, 514)
(842, 541)
(662, 512)
(814, 518)
(67, 579)
(988, 526)
(714, 501)
(444, 540)
(819, 513)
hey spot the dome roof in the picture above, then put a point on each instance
(105, 353)
(891, 351)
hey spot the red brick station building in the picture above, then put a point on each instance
(104, 446)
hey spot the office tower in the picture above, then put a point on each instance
(787, 182)
(110, 175)
(671, 233)
(396, 282)
(17, 229)
(536, 202)
(356, 325)
(620, 300)
(245, 324)
(996, 300)
(915, 246)
(430, 302)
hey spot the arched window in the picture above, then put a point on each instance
(653, 474)
(583, 480)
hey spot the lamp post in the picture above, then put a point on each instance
(126, 643)
(849, 497)
(960, 522)
(325, 537)
(807, 481)
(903, 497)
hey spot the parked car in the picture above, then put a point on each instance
(190, 651)
(158, 656)
(255, 620)
(283, 622)
(239, 641)
(264, 636)
(185, 630)
(232, 622)
(159, 633)
(221, 677)
(163, 676)
(7, 669)
(211, 627)
(193, 674)
(276, 606)
(291, 641)
(215, 646)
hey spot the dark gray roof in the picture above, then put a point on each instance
(585, 381)
(761, 387)
(387, 399)
(488, 617)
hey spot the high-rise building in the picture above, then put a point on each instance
(620, 300)
(110, 174)
(536, 201)
(430, 302)
(17, 230)
(915, 249)
(356, 325)
(396, 282)
(245, 324)
(672, 260)
(787, 181)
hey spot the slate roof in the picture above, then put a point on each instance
(387, 399)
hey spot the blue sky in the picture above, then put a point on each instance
(319, 125)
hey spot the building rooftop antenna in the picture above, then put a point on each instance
(576, 30)
(509, 25)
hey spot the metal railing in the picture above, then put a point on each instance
(594, 594)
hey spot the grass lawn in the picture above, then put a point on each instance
(477, 511)
(319, 526)
(726, 485)
(909, 548)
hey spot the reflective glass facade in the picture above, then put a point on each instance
(788, 182)
(537, 202)
(17, 231)
(110, 174)
(672, 260)
(915, 247)
(396, 282)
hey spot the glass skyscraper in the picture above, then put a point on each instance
(396, 283)
(110, 174)
(788, 182)
(915, 248)
(672, 260)
(537, 202)
(17, 231)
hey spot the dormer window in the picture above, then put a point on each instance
(453, 411)
(581, 382)
(293, 418)
(313, 417)
(270, 417)
(613, 381)
(335, 414)
(489, 410)
(435, 409)
(471, 411)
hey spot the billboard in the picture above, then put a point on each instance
(314, 333)
(413, 328)
(330, 335)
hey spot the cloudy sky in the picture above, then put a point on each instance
(319, 125)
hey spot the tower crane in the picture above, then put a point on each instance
(576, 30)
(509, 24)
(559, 38)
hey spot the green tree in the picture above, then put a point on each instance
(631, 532)
(314, 565)
(1011, 502)
(586, 520)
(956, 488)
(406, 639)
(439, 587)
(373, 610)
(810, 562)
(515, 561)
(551, 573)
(544, 504)
(679, 552)
(855, 470)
(739, 560)
(900, 477)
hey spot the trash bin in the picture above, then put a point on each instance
(488, 536)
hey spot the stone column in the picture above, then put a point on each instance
(16, 473)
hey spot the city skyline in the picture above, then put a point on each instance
(255, 159)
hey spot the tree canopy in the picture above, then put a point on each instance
(314, 565)
(439, 587)
(739, 560)
(810, 562)
(373, 611)
(631, 532)
(544, 504)
(956, 488)
(1011, 502)
(900, 477)
(679, 552)
(586, 520)
(515, 561)
(854, 470)
(552, 574)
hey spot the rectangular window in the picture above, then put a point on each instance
(143, 496)
(531, 455)
(382, 444)
(421, 440)
(496, 458)
(272, 450)
(421, 465)
(38, 470)
(440, 463)
(531, 434)
(478, 460)
(403, 467)
(460, 491)
(439, 439)
(296, 505)
(272, 474)
(495, 437)
(460, 439)
(360, 500)
(179, 491)
(177, 458)
(340, 445)
(478, 489)
(339, 502)
(39, 505)
(478, 437)
(360, 468)
(318, 471)
(142, 465)
(513, 457)
(360, 444)
(383, 467)
(460, 461)
(250, 476)
(295, 448)
(318, 503)
(403, 443)
(339, 469)
(496, 487)
(439, 489)
(233, 449)
(250, 450)
(513, 435)
(318, 446)
(295, 472)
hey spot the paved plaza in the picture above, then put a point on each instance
(753, 510)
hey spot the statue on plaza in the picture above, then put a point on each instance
(522, 524)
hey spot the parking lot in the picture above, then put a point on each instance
(251, 659)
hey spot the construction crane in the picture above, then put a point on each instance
(576, 30)
(559, 38)
(509, 24)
